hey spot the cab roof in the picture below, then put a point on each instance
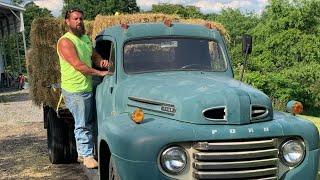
(143, 30)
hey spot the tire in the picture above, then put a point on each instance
(113, 173)
(61, 140)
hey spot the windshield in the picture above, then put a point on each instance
(170, 54)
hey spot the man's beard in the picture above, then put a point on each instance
(78, 31)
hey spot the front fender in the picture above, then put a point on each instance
(294, 126)
(142, 142)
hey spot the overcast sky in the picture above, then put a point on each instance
(206, 6)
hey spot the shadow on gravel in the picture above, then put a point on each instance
(25, 157)
(15, 97)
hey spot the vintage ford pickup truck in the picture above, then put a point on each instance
(173, 110)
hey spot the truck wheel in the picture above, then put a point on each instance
(113, 173)
(56, 134)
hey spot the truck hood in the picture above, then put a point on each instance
(195, 97)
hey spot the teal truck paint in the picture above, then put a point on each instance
(234, 143)
(199, 122)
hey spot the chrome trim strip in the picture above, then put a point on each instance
(205, 146)
(149, 101)
(235, 164)
(236, 174)
(154, 110)
(268, 178)
(234, 155)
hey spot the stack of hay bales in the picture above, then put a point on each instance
(42, 59)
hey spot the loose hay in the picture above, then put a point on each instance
(102, 22)
(43, 62)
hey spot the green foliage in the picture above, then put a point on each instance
(92, 8)
(17, 2)
(286, 59)
(13, 44)
(176, 9)
(300, 82)
(13, 47)
(237, 24)
(33, 11)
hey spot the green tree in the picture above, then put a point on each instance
(16, 2)
(33, 11)
(288, 34)
(286, 59)
(92, 8)
(237, 24)
(13, 44)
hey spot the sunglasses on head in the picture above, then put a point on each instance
(71, 11)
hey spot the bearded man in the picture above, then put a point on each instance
(76, 55)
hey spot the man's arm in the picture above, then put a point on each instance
(69, 53)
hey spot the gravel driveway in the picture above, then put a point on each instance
(23, 142)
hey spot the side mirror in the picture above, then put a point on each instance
(246, 44)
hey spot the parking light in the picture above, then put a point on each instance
(294, 107)
(137, 115)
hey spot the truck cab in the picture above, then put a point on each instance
(173, 110)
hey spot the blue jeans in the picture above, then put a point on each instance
(80, 105)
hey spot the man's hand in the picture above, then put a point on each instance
(104, 63)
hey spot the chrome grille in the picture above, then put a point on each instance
(249, 159)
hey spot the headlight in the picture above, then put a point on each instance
(173, 160)
(292, 152)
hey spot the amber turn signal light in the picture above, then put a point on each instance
(137, 115)
(294, 107)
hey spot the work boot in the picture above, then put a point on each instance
(90, 163)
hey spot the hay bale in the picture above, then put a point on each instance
(211, 24)
(44, 70)
(102, 22)
(46, 31)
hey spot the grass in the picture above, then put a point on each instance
(316, 121)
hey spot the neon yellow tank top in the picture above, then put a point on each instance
(72, 80)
